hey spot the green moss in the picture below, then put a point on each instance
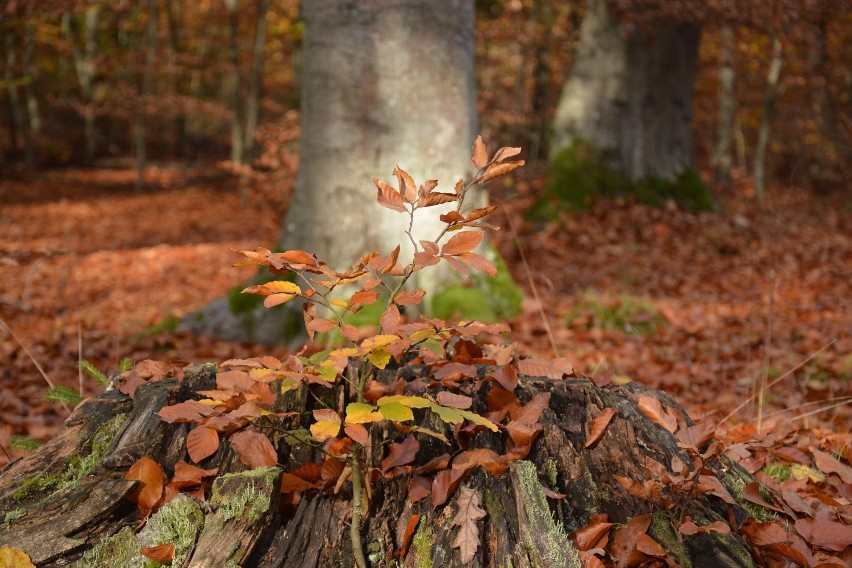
(558, 551)
(493, 505)
(662, 531)
(21, 443)
(735, 487)
(249, 502)
(577, 175)
(422, 542)
(482, 298)
(778, 472)
(13, 515)
(179, 523)
(117, 550)
(625, 313)
(79, 466)
(552, 472)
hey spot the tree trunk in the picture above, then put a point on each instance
(17, 127)
(256, 84)
(629, 94)
(371, 100)
(769, 99)
(233, 84)
(150, 47)
(723, 153)
(68, 498)
(84, 65)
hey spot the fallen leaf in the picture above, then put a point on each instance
(469, 512)
(202, 442)
(162, 553)
(651, 407)
(598, 426)
(151, 482)
(254, 449)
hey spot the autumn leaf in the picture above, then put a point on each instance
(651, 407)
(409, 297)
(151, 481)
(361, 413)
(162, 553)
(446, 398)
(436, 198)
(364, 297)
(254, 449)
(445, 484)
(555, 368)
(320, 325)
(396, 412)
(410, 527)
(461, 243)
(589, 536)
(189, 411)
(14, 558)
(358, 433)
(497, 170)
(390, 319)
(506, 153)
(598, 426)
(478, 154)
(407, 187)
(469, 512)
(402, 453)
(202, 442)
(624, 543)
(389, 197)
(493, 462)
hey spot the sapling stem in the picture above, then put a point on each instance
(355, 526)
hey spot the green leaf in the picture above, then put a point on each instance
(447, 414)
(409, 401)
(300, 436)
(396, 412)
(93, 372)
(379, 357)
(360, 413)
(477, 419)
(60, 393)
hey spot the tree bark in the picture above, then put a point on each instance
(256, 83)
(385, 83)
(723, 153)
(150, 47)
(67, 522)
(84, 65)
(629, 94)
(769, 100)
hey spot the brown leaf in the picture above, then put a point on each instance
(624, 543)
(162, 553)
(350, 332)
(451, 217)
(598, 426)
(358, 433)
(506, 376)
(445, 484)
(690, 528)
(402, 453)
(151, 482)
(470, 511)
(479, 262)
(254, 449)
(446, 398)
(189, 411)
(407, 187)
(320, 325)
(426, 187)
(827, 463)
(436, 198)
(825, 533)
(291, 483)
(364, 297)
(555, 368)
(651, 407)
(410, 527)
(499, 169)
(389, 197)
(202, 442)
(696, 436)
(309, 312)
(461, 243)
(479, 213)
(505, 153)
(424, 259)
(493, 462)
(478, 154)
(589, 536)
(409, 297)
(418, 488)
(712, 485)
(390, 320)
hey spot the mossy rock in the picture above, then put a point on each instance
(578, 174)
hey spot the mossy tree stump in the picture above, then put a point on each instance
(60, 518)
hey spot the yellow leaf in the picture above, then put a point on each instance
(432, 433)
(447, 414)
(800, 472)
(422, 334)
(14, 558)
(324, 429)
(289, 384)
(477, 419)
(409, 401)
(396, 412)
(379, 357)
(360, 413)
(340, 303)
(377, 341)
(211, 402)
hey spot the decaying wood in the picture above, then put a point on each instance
(60, 511)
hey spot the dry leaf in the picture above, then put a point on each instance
(598, 426)
(470, 511)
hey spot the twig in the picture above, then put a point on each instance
(30, 355)
(6, 453)
(533, 287)
(80, 357)
(355, 527)
(776, 381)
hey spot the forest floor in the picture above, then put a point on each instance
(708, 306)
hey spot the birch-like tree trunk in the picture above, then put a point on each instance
(233, 83)
(84, 65)
(256, 82)
(723, 152)
(769, 100)
(150, 46)
(629, 94)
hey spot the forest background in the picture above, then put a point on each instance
(142, 142)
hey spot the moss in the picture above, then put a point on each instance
(735, 487)
(482, 298)
(493, 506)
(577, 175)
(249, 502)
(778, 472)
(552, 472)
(625, 313)
(662, 531)
(78, 467)
(117, 550)
(557, 550)
(179, 523)
(13, 515)
(21, 443)
(422, 542)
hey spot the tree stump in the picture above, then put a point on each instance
(67, 501)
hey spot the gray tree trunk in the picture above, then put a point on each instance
(84, 65)
(385, 83)
(629, 94)
(253, 101)
(723, 153)
(769, 99)
(233, 84)
(150, 46)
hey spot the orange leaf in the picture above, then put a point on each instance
(651, 407)
(402, 453)
(555, 368)
(409, 297)
(497, 170)
(151, 481)
(445, 484)
(364, 297)
(389, 197)
(321, 324)
(451, 217)
(407, 187)
(162, 553)
(413, 521)
(478, 154)
(489, 459)
(426, 187)
(390, 319)
(462, 242)
(202, 442)
(479, 262)
(598, 426)
(446, 398)
(436, 198)
(254, 449)
(506, 153)
(358, 433)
